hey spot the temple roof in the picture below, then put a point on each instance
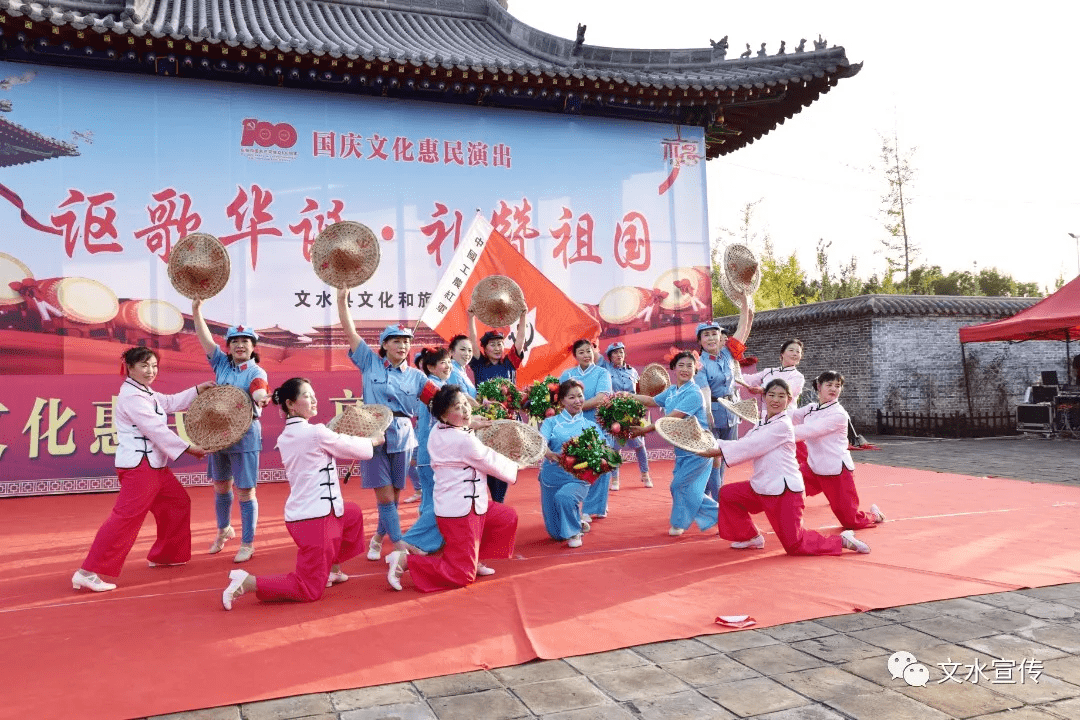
(463, 51)
(19, 145)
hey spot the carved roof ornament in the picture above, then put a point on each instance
(719, 49)
(762, 52)
(820, 43)
(802, 46)
(748, 52)
(783, 48)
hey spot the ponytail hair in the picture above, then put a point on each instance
(288, 392)
(428, 358)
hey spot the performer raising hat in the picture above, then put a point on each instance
(494, 361)
(327, 531)
(596, 382)
(719, 368)
(624, 378)
(689, 503)
(474, 528)
(775, 488)
(237, 464)
(145, 443)
(828, 467)
(388, 380)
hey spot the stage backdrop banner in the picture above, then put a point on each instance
(610, 213)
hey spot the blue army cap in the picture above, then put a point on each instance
(239, 331)
(393, 331)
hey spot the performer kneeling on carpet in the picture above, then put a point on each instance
(237, 464)
(388, 380)
(473, 527)
(561, 493)
(327, 531)
(823, 426)
(596, 383)
(775, 487)
(145, 443)
(689, 503)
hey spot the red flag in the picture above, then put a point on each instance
(554, 320)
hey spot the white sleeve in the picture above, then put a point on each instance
(763, 439)
(346, 447)
(832, 423)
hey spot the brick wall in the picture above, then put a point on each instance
(905, 362)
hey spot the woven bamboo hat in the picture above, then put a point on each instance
(741, 269)
(198, 266)
(362, 420)
(497, 301)
(654, 380)
(218, 417)
(746, 409)
(685, 433)
(520, 442)
(345, 254)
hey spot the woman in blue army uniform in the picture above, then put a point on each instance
(388, 380)
(719, 364)
(238, 464)
(596, 383)
(624, 378)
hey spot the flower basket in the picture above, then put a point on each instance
(492, 411)
(587, 456)
(618, 415)
(499, 390)
(539, 399)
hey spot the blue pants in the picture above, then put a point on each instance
(561, 495)
(425, 533)
(596, 499)
(716, 475)
(689, 503)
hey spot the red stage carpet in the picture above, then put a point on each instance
(162, 643)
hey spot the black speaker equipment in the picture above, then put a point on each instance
(1049, 377)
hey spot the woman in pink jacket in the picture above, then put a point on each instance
(474, 527)
(828, 467)
(775, 487)
(144, 444)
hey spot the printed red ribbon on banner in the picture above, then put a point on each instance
(12, 197)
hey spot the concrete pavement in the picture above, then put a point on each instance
(1005, 656)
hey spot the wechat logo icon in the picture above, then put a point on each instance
(903, 664)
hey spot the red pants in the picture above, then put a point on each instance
(143, 489)
(738, 501)
(321, 543)
(468, 540)
(842, 496)
(801, 452)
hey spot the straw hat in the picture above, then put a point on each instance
(654, 380)
(198, 266)
(362, 420)
(746, 409)
(520, 442)
(218, 417)
(741, 268)
(497, 301)
(345, 254)
(685, 433)
(725, 285)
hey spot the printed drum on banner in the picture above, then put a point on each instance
(612, 212)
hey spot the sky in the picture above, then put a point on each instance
(983, 96)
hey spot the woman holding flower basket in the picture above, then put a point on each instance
(689, 503)
(561, 490)
(596, 384)
(624, 379)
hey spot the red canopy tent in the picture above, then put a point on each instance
(1055, 317)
